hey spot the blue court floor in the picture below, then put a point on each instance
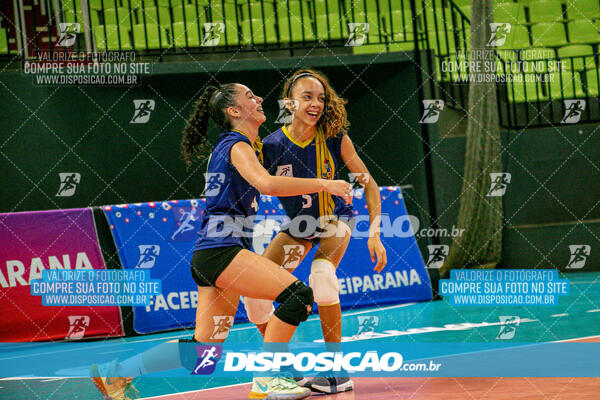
(576, 316)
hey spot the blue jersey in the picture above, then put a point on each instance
(315, 158)
(229, 198)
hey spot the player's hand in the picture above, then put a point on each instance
(340, 188)
(376, 249)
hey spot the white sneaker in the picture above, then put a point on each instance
(277, 389)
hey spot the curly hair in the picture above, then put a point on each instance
(212, 103)
(334, 119)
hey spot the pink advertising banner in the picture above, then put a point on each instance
(31, 242)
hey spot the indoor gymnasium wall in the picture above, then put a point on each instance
(551, 202)
(554, 204)
(87, 130)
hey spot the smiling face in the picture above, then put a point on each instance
(310, 95)
(248, 108)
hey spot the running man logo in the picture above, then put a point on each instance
(213, 31)
(431, 112)
(142, 111)
(185, 221)
(284, 170)
(293, 254)
(573, 110)
(287, 108)
(366, 326)
(500, 31)
(437, 255)
(68, 33)
(579, 255)
(77, 326)
(223, 324)
(68, 183)
(359, 179)
(213, 180)
(208, 356)
(358, 33)
(508, 327)
(499, 183)
(148, 254)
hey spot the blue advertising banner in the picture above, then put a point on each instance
(159, 237)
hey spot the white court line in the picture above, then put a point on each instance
(241, 384)
(312, 318)
(113, 351)
(247, 383)
(507, 348)
(315, 317)
(194, 391)
(27, 378)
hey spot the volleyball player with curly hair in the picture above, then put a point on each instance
(314, 145)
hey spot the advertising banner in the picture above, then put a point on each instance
(160, 237)
(31, 242)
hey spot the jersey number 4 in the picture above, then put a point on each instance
(308, 199)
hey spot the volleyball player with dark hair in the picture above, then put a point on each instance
(223, 265)
(314, 145)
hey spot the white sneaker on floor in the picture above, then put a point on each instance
(277, 389)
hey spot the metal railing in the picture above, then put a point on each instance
(445, 32)
(437, 30)
(221, 26)
(545, 91)
(10, 21)
(535, 87)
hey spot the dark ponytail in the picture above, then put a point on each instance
(213, 103)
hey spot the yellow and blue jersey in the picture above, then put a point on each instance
(316, 158)
(229, 198)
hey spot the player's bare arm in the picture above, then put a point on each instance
(245, 161)
(373, 197)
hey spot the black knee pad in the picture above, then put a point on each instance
(296, 302)
(187, 353)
